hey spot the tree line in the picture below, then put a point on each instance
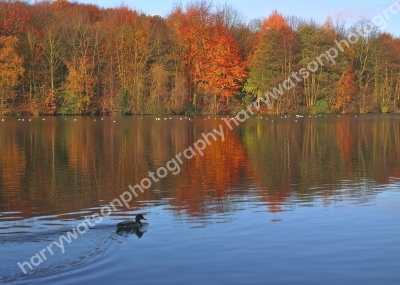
(61, 57)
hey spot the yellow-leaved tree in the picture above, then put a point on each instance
(10, 69)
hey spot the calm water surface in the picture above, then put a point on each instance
(311, 200)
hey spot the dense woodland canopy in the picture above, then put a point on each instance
(61, 57)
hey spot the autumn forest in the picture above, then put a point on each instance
(61, 57)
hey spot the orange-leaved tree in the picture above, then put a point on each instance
(347, 88)
(211, 56)
(14, 18)
(223, 70)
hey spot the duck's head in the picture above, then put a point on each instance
(138, 218)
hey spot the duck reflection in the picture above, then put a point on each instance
(129, 231)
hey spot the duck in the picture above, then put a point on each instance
(132, 224)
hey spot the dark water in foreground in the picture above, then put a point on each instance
(312, 200)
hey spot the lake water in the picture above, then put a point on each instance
(275, 200)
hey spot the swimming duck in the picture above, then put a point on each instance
(132, 224)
